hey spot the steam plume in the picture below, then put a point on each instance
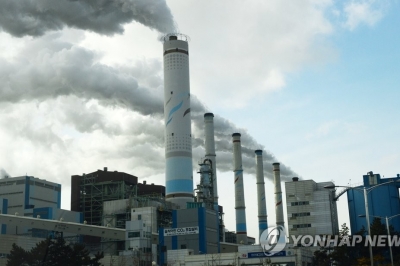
(58, 69)
(35, 18)
(3, 173)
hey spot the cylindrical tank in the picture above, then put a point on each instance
(178, 138)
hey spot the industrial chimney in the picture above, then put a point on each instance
(262, 207)
(278, 195)
(241, 228)
(178, 138)
(210, 152)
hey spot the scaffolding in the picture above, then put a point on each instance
(94, 194)
(123, 193)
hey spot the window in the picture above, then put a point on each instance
(133, 234)
(301, 225)
(299, 203)
(300, 214)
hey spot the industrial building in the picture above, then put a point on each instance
(311, 208)
(29, 196)
(106, 198)
(27, 192)
(383, 200)
(24, 194)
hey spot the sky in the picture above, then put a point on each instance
(314, 83)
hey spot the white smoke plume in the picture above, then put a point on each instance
(35, 18)
(50, 69)
(57, 69)
(3, 173)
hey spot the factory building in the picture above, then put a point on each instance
(311, 208)
(193, 229)
(383, 201)
(90, 191)
(26, 193)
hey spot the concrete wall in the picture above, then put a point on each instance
(311, 209)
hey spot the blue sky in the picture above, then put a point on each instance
(313, 82)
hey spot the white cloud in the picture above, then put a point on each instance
(237, 44)
(367, 12)
(324, 129)
(274, 80)
(337, 127)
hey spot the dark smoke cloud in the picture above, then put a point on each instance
(55, 69)
(35, 18)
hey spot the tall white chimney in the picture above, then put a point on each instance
(278, 196)
(178, 135)
(210, 152)
(262, 206)
(241, 228)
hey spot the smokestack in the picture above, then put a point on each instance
(278, 195)
(262, 207)
(241, 228)
(178, 135)
(210, 152)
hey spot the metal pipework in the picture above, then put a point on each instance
(262, 207)
(241, 228)
(205, 188)
(278, 195)
(210, 152)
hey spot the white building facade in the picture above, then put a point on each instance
(311, 209)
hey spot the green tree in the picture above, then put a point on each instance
(51, 252)
(381, 254)
(18, 256)
(322, 257)
(343, 254)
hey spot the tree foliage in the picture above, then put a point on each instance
(51, 252)
(344, 254)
